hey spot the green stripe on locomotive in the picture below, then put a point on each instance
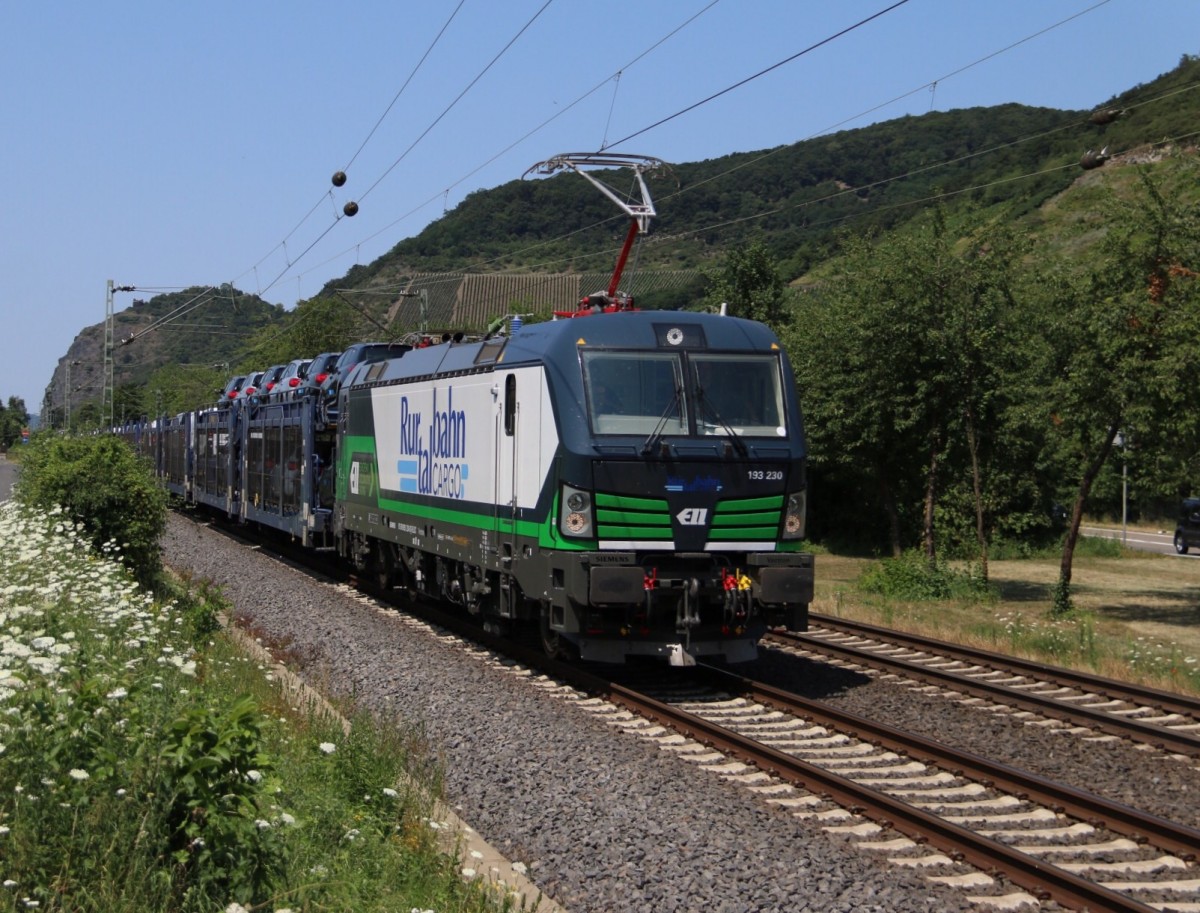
(473, 515)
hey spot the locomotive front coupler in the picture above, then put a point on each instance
(683, 590)
(687, 615)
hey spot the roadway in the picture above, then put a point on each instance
(8, 476)
(1140, 539)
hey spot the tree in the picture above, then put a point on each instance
(1119, 345)
(750, 284)
(899, 358)
(857, 345)
(14, 418)
(315, 326)
(180, 388)
(101, 483)
(129, 403)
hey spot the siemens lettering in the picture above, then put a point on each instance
(438, 468)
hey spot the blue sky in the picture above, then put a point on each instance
(164, 145)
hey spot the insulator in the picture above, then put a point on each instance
(339, 178)
(350, 208)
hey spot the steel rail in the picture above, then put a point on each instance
(1044, 880)
(1153, 734)
(1167, 701)
(1096, 810)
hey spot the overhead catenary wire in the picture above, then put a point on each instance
(186, 307)
(841, 123)
(559, 113)
(491, 63)
(396, 97)
(610, 78)
(414, 143)
(763, 72)
(371, 133)
(956, 72)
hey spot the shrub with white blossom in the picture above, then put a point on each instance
(138, 771)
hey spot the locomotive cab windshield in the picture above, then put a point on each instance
(682, 394)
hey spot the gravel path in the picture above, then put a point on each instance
(606, 822)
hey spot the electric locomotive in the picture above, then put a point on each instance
(626, 483)
(632, 483)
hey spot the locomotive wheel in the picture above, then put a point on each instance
(382, 568)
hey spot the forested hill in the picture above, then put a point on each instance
(1002, 161)
(997, 165)
(210, 326)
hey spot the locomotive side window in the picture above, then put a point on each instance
(741, 392)
(634, 393)
(510, 404)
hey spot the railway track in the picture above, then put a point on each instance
(1007, 839)
(864, 778)
(1164, 720)
(1010, 839)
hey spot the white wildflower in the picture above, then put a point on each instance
(327, 747)
(76, 774)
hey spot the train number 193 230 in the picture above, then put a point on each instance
(764, 475)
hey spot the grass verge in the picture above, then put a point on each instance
(1136, 615)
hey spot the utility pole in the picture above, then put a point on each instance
(423, 320)
(106, 405)
(1121, 441)
(69, 391)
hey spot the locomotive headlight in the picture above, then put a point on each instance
(575, 514)
(795, 515)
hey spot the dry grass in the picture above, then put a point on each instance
(1137, 617)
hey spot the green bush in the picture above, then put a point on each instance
(213, 767)
(912, 576)
(101, 484)
(200, 604)
(1085, 547)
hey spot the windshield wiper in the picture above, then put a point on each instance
(672, 407)
(703, 401)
